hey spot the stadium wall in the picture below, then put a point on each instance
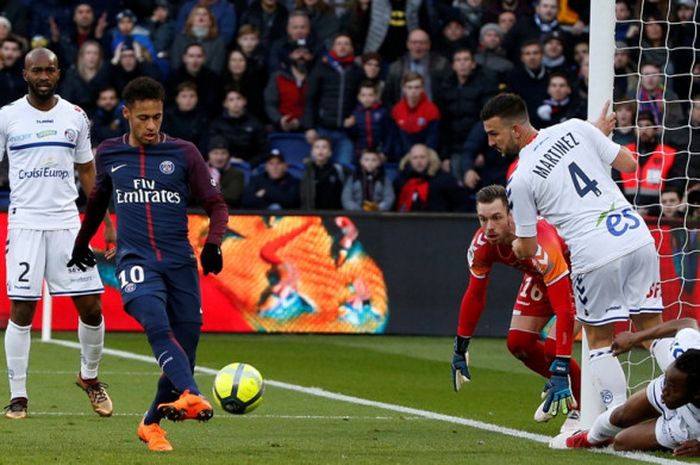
(363, 273)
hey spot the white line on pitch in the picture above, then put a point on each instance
(314, 391)
(249, 416)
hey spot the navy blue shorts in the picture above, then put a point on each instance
(176, 285)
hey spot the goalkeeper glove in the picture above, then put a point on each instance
(460, 361)
(211, 259)
(557, 391)
(82, 257)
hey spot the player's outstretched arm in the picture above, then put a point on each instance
(87, 175)
(470, 310)
(624, 341)
(689, 448)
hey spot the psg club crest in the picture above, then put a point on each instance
(167, 167)
(71, 135)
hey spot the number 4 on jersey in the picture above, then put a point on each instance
(582, 183)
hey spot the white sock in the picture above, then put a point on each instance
(602, 429)
(661, 350)
(91, 343)
(17, 343)
(608, 377)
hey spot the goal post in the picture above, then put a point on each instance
(601, 62)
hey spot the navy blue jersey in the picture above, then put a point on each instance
(151, 186)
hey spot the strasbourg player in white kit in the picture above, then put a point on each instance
(563, 175)
(45, 139)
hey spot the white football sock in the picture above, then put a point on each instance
(91, 343)
(661, 350)
(602, 429)
(608, 376)
(17, 343)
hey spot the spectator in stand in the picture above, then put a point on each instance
(332, 93)
(454, 36)
(625, 29)
(127, 30)
(480, 165)
(245, 135)
(683, 44)
(237, 76)
(193, 69)
(491, 56)
(107, 121)
(460, 98)
(200, 28)
(275, 189)
(653, 45)
(230, 180)
(324, 22)
(5, 28)
(671, 204)
(185, 118)
(372, 70)
(560, 105)
(506, 21)
(422, 186)
(128, 63)
(533, 27)
(161, 28)
(626, 76)
(471, 14)
(285, 94)
(82, 82)
(43, 12)
(419, 59)
(553, 57)
(416, 116)
(657, 167)
(370, 124)
(66, 43)
(493, 10)
(323, 180)
(298, 28)
(529, 78)
(17, 16)
(368, 188)
(658, 99)
(687, 141)
(625, 112)
(222, 10)
(355, 22)
(248, 42)
(269, 18)
(581, 51)
(11, 70)
(389, 25)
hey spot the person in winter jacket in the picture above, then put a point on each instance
(369, 188)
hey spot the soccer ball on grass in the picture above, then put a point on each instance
(238, 388)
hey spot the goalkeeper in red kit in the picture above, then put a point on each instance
(545, 292)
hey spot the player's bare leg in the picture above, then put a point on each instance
(660, 348)
(91, 336)
(17, 345)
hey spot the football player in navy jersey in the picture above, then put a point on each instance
(150, 176)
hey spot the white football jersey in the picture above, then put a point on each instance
(564, 176)
(686, 338)
(42, 147)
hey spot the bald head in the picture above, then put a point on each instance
(418, 44)
(40, 54)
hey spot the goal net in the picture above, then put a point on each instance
(644, 58)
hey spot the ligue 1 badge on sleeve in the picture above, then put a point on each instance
(167, 167)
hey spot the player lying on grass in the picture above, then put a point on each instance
(672, 400)
(545, 291)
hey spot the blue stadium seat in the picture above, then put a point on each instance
(293, 146)
(244, 167)
(392, 170)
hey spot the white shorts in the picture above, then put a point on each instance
(629, 285)
(673, 426)
(32, 255)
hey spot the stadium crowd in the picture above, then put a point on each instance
(369, 104)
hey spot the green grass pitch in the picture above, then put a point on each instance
(292, 427)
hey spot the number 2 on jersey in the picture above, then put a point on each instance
(582, 183)
(136, 276)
